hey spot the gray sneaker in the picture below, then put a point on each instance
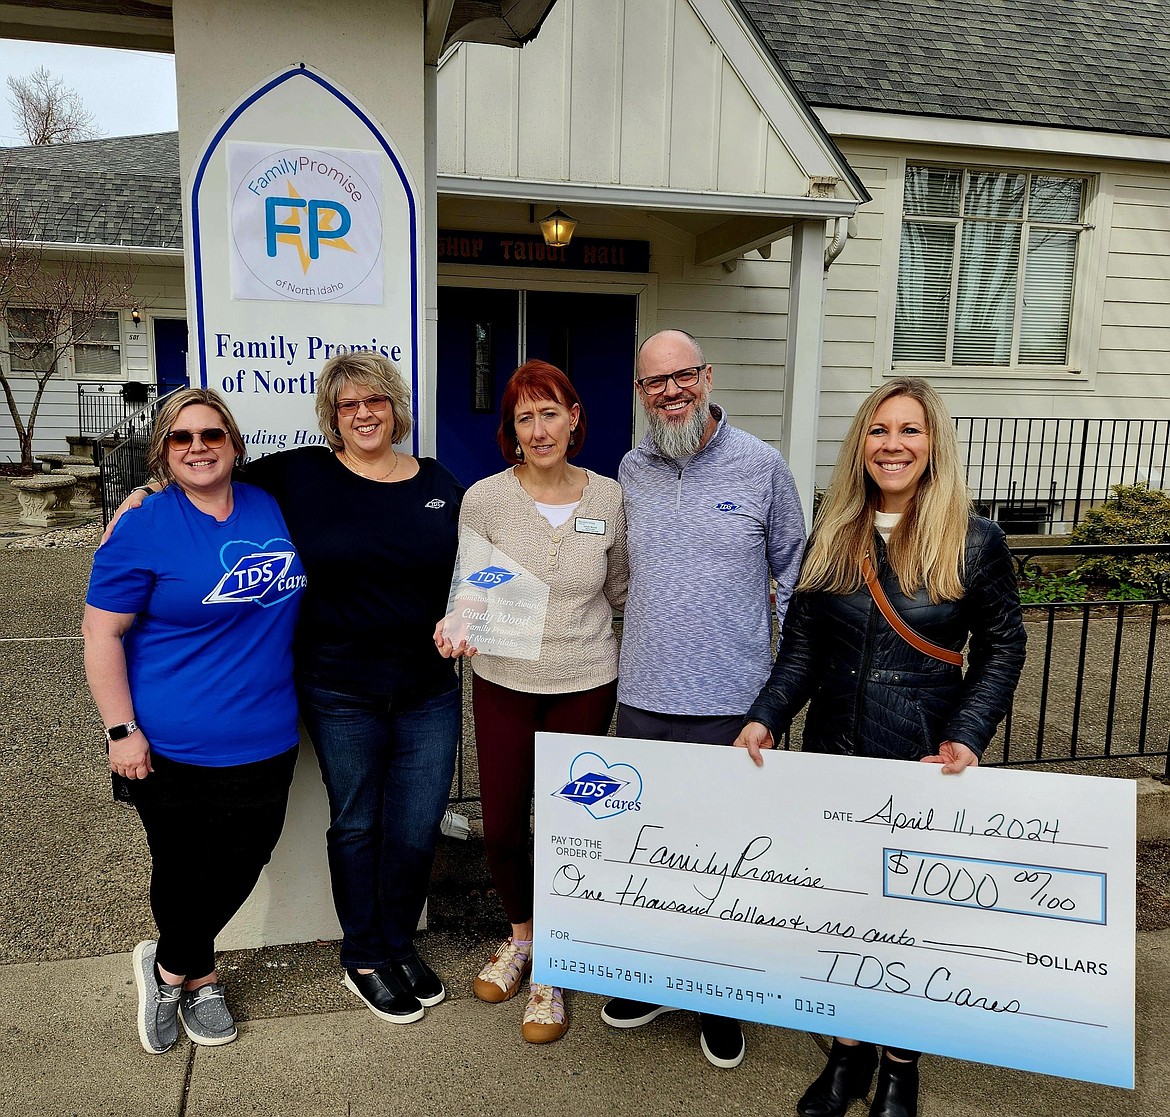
(158, 1003)
(205, 1016)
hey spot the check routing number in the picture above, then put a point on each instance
(986, 916)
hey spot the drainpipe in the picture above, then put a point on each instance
(837, 244)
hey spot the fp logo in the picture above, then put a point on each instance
(603, 789)
(306, 223)
(490, 577)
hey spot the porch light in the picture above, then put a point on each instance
(558, 229)
(136, 315)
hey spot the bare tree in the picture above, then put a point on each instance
(49, 111)
(52, 301)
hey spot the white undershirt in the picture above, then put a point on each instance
(885, 522)
(556, 514)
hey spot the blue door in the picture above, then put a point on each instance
(593, 338)
(170, 354)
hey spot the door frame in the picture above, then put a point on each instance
(644, 288)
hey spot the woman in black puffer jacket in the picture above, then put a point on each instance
(898, 499)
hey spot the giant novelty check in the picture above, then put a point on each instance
(987, 916)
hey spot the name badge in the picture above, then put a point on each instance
(589, 527)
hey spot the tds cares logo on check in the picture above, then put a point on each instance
(490, 577)
(605, 790)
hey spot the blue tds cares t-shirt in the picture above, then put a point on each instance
(209, 655)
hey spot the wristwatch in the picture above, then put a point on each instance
(121, 732)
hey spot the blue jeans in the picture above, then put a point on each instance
(387, 770)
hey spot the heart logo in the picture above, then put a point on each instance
(590, 767)
(255, 573)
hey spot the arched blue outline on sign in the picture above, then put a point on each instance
(303, 71)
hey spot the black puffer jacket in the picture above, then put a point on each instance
(871, 693)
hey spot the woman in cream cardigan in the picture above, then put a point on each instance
(566, 525)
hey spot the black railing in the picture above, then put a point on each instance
(1039, 475)
(120, 453)
(102, 407)
(1094, 683)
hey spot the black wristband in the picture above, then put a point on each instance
(143, 489)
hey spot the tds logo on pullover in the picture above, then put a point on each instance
(258, 576)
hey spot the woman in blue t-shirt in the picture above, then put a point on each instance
(188, 628)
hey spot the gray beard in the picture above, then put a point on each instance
(679, 440)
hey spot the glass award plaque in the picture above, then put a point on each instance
(496, 605)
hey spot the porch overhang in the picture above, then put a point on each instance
(148, 24)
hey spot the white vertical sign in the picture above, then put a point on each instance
(305, 230)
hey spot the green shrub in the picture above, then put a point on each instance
(1135, 514)
(1042, 588)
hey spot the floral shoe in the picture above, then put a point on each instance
(500, 979)
(545, 1019)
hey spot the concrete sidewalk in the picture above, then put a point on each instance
(73, 903)
(70, 1050)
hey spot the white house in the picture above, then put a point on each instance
(989, 187)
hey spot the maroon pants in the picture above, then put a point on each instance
(506, 722)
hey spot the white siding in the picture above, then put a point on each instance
(630, 92)
(156, 290)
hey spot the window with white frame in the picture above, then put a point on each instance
(32, 347)
(97, 354)
(987, 268)
(34, 344)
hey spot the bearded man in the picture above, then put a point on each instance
(713, 516)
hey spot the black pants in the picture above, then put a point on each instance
(210, 831)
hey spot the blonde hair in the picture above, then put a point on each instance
(157, 462)
(926, 548)
(366, 368)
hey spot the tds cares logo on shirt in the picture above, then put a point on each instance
(306, 223)
(261, 575)
(605, 790)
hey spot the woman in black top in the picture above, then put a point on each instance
(377, 531)
(898, 500)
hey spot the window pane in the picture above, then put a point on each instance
(986, 303)
(31, 340)
(924, 292)
(991, 194)
(932, 191)
(1048, 287)
(97, 360)
(105, 327)
(1055, 199)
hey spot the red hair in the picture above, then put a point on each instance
(537, 380)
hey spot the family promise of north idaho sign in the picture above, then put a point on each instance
(306, 243)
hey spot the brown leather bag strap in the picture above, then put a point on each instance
(919, 643)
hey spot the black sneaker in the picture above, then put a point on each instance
(419, 979)
(384, 995)
(623, 1013)
(721, 1040)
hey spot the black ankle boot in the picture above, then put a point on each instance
(846, 1076)
(896, 1093)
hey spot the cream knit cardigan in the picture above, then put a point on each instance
(586, 574)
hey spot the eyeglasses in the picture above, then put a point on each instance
(213, 438)
(684, 378)
(373, 403)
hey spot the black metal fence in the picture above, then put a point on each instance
(103, 407)
(1037, 476)
(1095, 683)
(120, 453)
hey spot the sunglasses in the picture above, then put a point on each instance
(213, 438)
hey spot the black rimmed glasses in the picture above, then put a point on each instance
(212, 437)
(373, 403)
(684, 378)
